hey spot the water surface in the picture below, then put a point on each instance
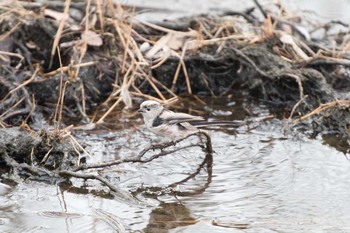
(261, 180)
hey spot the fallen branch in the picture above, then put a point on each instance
(171, 143)
(128, 160)
(20, 166)
(89, 176)
(323, 107)
(161, 147)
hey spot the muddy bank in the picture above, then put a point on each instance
(56, 157)
(36, 155)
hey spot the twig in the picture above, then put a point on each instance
(91, 177)
(2, 116)
(12, 54)
(33, 107)
(126, 48)
(159, 28)
(151, 81)
(66, 68)
(296, 106)
(163, 86)
(61, 104)
(128, 160)
(300, 85)
(100, 14)
(162, 146)
(60, 95)
(109, 110)
(26, 82)
(321, 60)
(323, 107)
(239, 53)
(172, 143)
(171, 189)
(15, 165)
(260, 8)
(176, 76)
(187, 78)
(59, 30)
(293, 110)
(23, 84)
(46, 156)
(14, 28)
(75, 142)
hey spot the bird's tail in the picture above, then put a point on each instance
(199, 124)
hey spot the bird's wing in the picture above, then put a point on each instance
(174, 118)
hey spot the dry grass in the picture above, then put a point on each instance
(136, 65)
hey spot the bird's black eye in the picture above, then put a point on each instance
(148, 109)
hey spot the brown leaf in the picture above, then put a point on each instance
(91, 38)
(54, 14)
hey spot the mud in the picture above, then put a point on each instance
(34, 155)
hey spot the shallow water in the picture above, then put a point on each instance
(260, 181)
(315, 11)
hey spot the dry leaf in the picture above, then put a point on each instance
(91, 38)
(126, 97)
(161, 43)
(54, 14)
(172, 40)
(268, 28)
(288, 39)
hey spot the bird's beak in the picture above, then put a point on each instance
(140, 110)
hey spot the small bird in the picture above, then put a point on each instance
(166, 123)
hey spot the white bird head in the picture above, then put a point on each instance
(150, 109)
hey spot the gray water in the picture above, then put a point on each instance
(319, 11)
(262, 180)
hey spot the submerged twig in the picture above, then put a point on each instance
(171, 189)
(89, 176)
(128, 160)
(172, 143)
(138, 159)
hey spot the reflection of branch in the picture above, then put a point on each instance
(208, 160)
